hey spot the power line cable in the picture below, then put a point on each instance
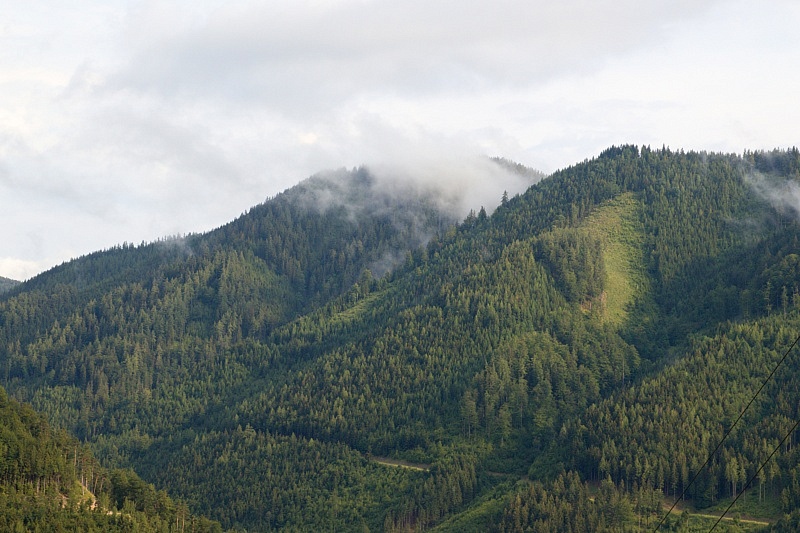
(711, 455)
(760, 468)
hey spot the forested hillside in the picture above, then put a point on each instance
(50, 482)
(7, 284)
(565, 363)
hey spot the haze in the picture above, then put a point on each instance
(129, 121)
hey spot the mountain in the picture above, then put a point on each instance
(7, 284)
(562, 363)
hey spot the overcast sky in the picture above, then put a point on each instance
(134, 120)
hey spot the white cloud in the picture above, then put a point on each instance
(304, 59)
(130, 120)
(19, 269)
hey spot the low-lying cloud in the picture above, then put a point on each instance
(456, 184)
(455, 180)
(421, 191)
(133, 120)
(782, 192)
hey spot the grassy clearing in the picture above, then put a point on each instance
(617, 226)
(482, 515)
(748, 506)
(84, 495)
(355, 310)
(746, 515)
(685, 520)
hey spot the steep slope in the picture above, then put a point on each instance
(135, 342)
(462, 344)
(619, 231)
(256, 375)
(645, 444)
(118, 323)
(653, 437)
(44, 477)
(309, 243)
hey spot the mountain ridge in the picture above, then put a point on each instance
(484, 350)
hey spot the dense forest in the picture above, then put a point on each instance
(350, 357)
(51, 482)
(7, 284)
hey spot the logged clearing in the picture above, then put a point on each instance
(619, 229)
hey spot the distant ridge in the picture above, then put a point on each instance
(7, 284)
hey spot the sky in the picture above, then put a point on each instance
(129, 121)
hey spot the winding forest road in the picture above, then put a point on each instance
(749, 520)
(423, 467)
